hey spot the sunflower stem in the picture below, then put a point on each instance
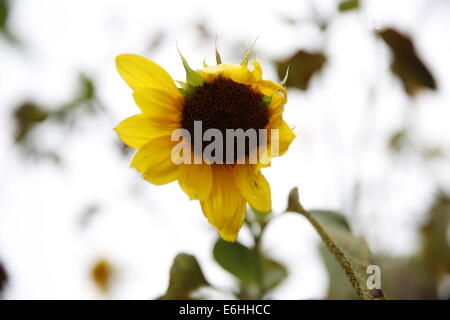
(257, 233)
(337, 252)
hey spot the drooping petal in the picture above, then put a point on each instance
(196, 180)
(139, 73)
(285, 135)
(269, 88)
(138, 130)
(158, 104)
(154, 161)
(225, 207)
(276, 106)
(253, 186)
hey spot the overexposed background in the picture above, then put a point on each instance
(57, 218)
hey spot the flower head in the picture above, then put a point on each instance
(222, 175)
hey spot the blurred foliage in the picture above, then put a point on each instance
(102, 273)
(348, 5)
(250, 269)
(3, 279)
(88, 213)
(27, 116)
(333, 226)
(186, 276)
(302, 65)
(5, 31)
(406, 64)
(436, 249)
(30, 115)
(398, 140)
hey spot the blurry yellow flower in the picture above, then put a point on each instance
(224, 96)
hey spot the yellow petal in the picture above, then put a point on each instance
(154, 161)
(196, 180)
(138, 130)
(253, 186)
(225, 207)
(139, 72)
(286, 137)
(158, 104)
(269, 88)
(276, 106)
(237, 73)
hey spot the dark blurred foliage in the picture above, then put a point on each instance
(406, 64)
(31, 115)
(5, 31)
(186, 276)
(102, 275)
(348, 5)
(302, 66)
(3, 279)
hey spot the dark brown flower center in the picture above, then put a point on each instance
(225, 104)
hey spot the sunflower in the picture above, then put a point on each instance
(223, 96)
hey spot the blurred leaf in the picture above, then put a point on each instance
(242, 262)
(407, 278)
(4, 12)
(406, 64)
(101, 275)
(203, 30)
(3, 278)
(84, 98)
(333, 227)
(347, 5)
(397, 140)
(87, 213)
(433, 153)
(27, 116)
(303, 65)
(185, 277)
(156, 41)
(436, 249)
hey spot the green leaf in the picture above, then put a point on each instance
(351, 251)
(185, 277)
(348, 5)
(242, 262)
(192, 77)
(406, 64)
(303, 65)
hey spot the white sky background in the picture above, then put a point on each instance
(141, 227)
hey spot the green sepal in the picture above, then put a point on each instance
(205, 65)
(192, 77)
(186, 89)
(266, 100)
(283, 82)
(244, 61)
(218, 59)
